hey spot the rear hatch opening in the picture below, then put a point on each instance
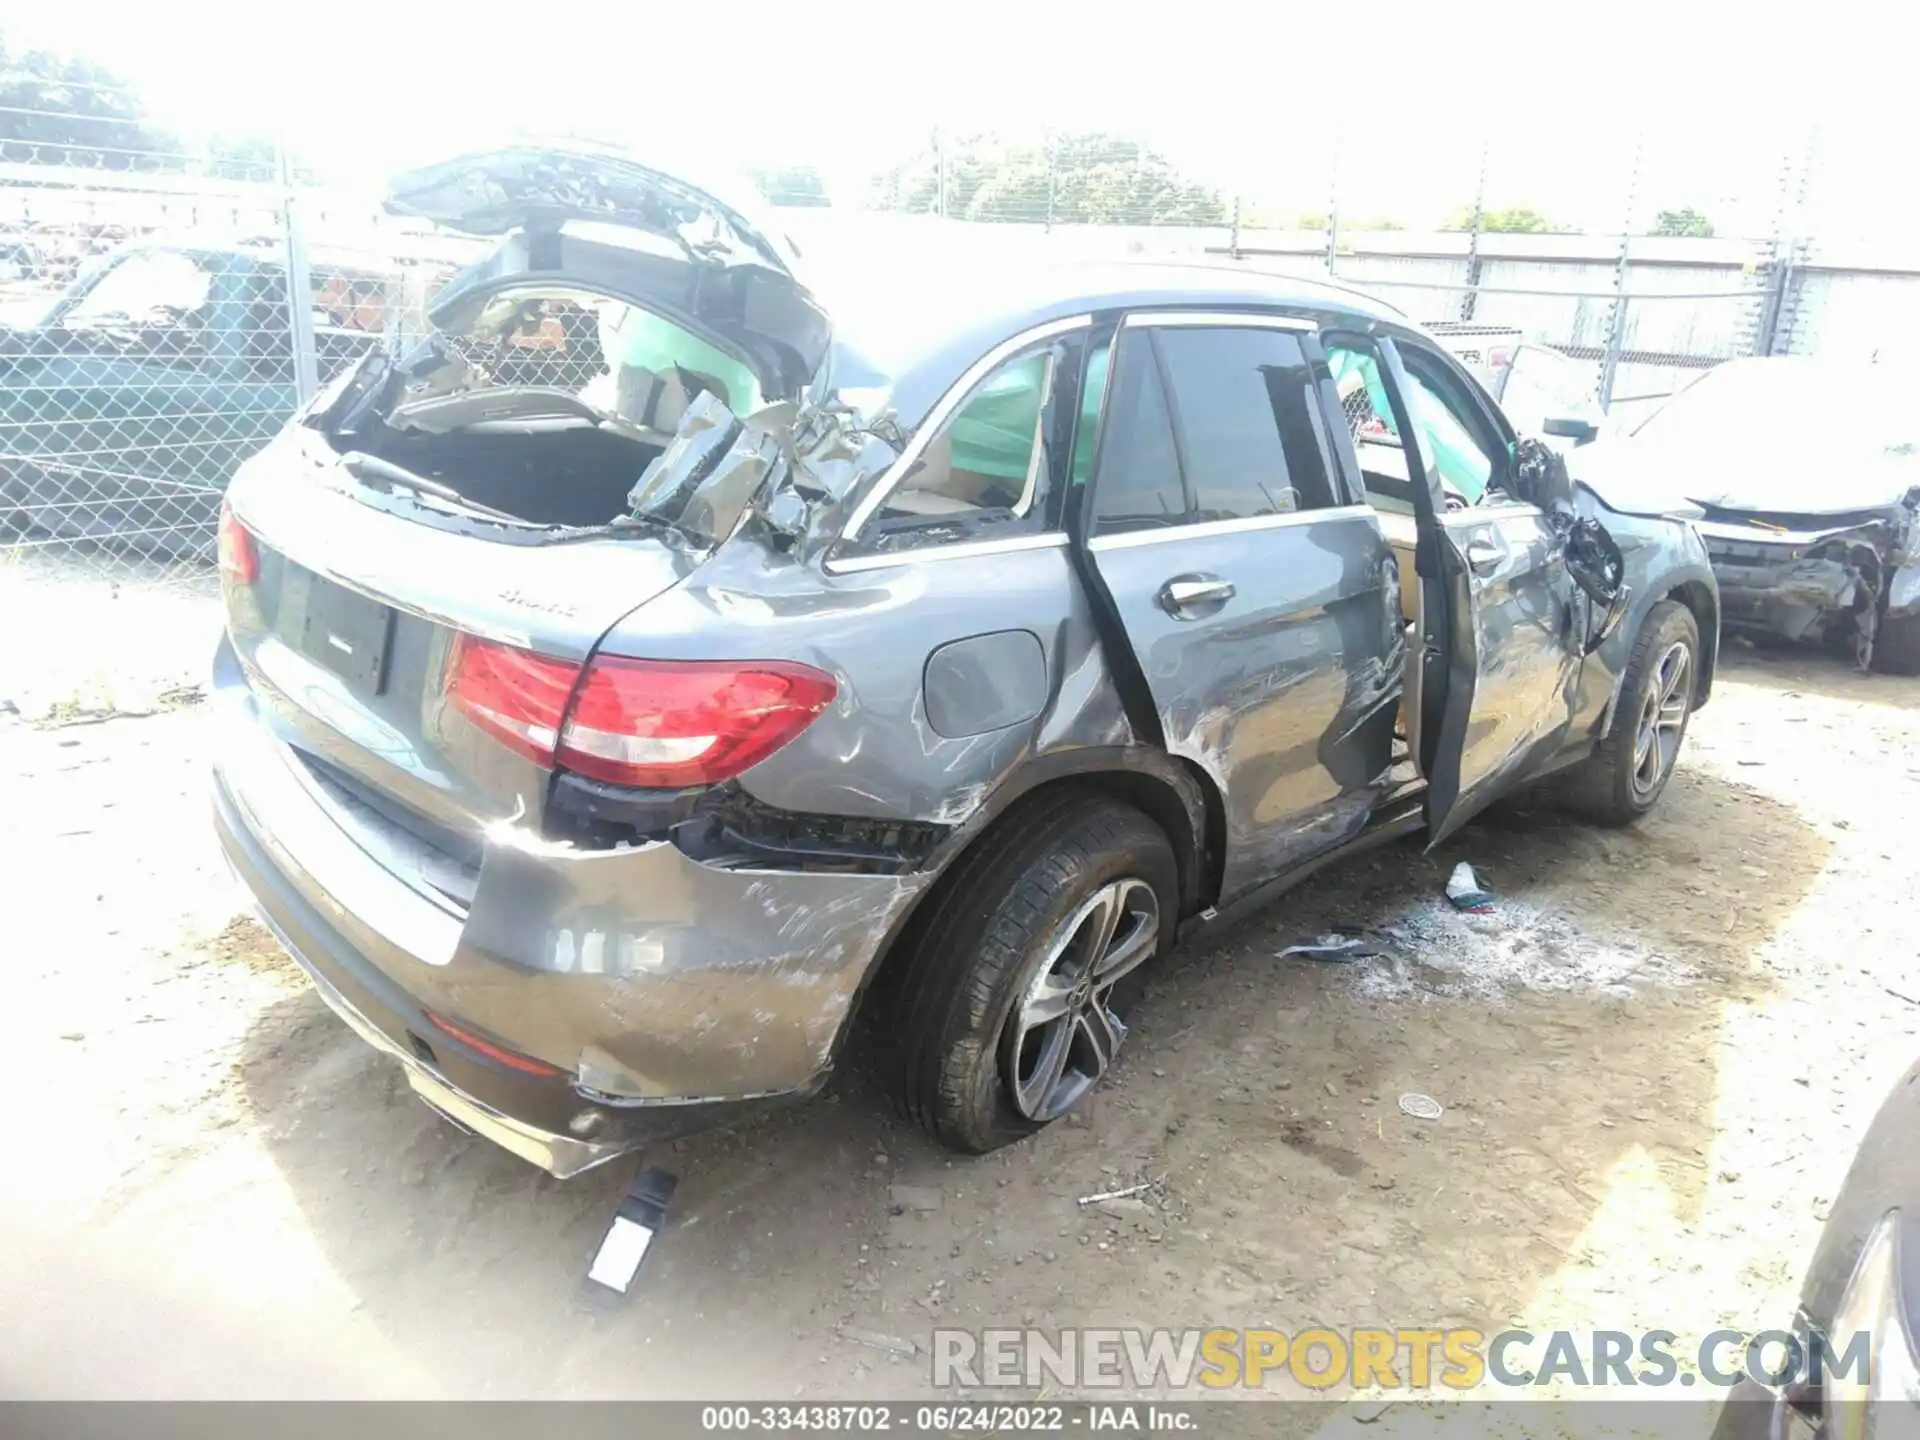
(617, 298)
(540, 405)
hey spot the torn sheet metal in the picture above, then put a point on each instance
(794, 466)
(1903, 591)
(1815, 576)
(1593, 559)
(831, 459)
(1784, 584)
(706, 431)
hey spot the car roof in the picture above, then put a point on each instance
(902, 342)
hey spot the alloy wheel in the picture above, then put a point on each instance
(1663, 718)
(1063, 1034)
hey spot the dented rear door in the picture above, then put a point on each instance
(1258, 607)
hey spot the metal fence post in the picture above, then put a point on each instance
(1610, 362)
(1333, 206)
(306, 364)
(1049, 138)
(1617, 316)
(940, 173)
(1233, 239)
(1471, 298)
(1780, 270)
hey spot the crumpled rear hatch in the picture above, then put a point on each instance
(707, 262)
(437, 511)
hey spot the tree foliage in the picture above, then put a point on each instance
(1083, 178)
(60, 111)
(57, 110)
(1685, 221)
(1514, 220)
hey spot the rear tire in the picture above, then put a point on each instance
(1896, 648)
(1628, 771)
(970, 1047)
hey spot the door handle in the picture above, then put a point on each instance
(1191, 592)
(1483, 556)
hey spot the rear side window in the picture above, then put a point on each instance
(1207, 424)
(987, 457)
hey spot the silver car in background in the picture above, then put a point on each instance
(1807, 475)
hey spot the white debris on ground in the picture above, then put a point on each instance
(1431, 949)
(93, 636)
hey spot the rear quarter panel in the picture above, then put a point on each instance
(875, 752)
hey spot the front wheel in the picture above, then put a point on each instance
(1624, 777)
(1010, 1001)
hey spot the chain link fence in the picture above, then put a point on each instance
(163, 311)
(164, 308)
(153, 343)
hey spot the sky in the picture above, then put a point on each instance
(1597, 115)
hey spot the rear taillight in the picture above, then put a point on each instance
(516, 696)
(665, 724)
(687, 722)
(239, 558)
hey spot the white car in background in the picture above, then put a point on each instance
(1543, 392)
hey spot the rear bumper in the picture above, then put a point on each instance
(562, 1155)
(670, 996)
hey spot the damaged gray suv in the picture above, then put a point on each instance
(647, 683)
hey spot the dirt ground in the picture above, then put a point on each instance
(1655, 1059)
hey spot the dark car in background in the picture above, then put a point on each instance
(649, 679)
(1807, 474)
(1864, 1281)
(127, 402)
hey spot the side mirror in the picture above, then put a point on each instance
(1571, 427)
(1539, 476)
(1597, 567)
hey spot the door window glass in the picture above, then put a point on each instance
(1241, 400)
(1451, 446)
(1382, 460)
(1091, 394)
(1447, 444)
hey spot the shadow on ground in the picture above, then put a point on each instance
(1261, 1093)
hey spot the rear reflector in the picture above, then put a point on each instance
(665, 724)
(239, 559)
(513, 1060)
